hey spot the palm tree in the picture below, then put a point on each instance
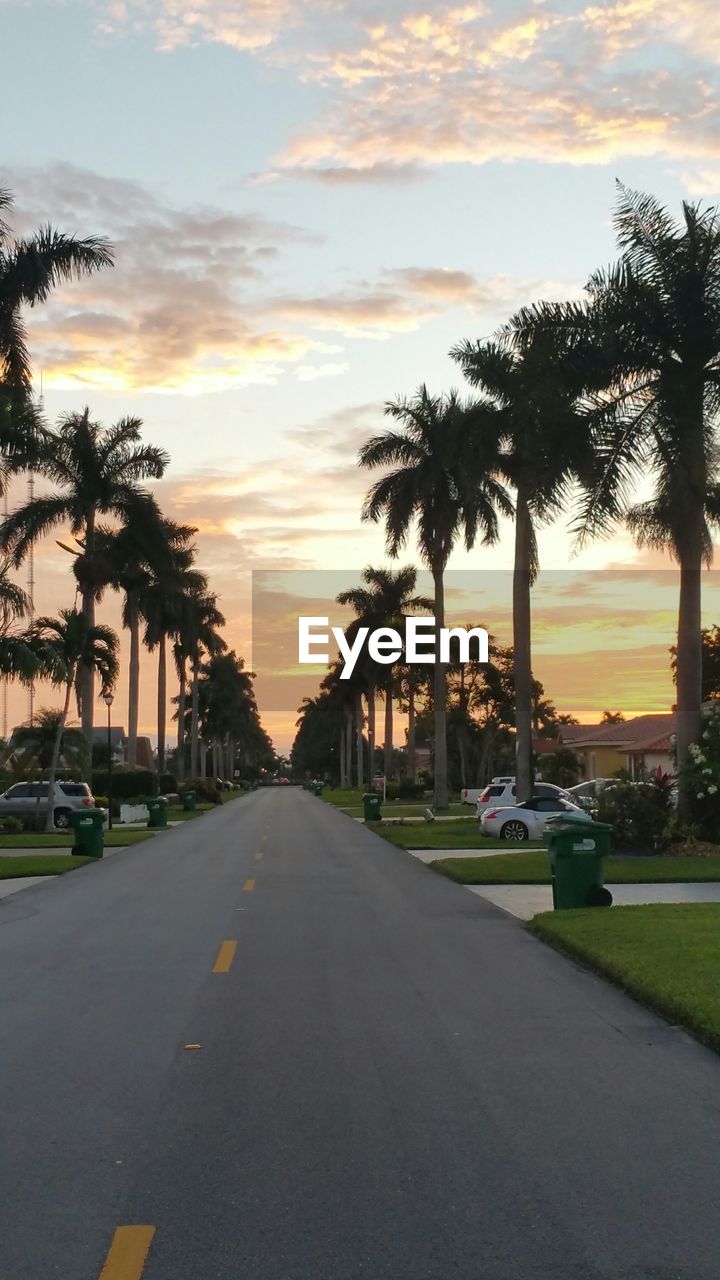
(529, 416)
(30, 268)
(651, 332)
(428, 484)
(96, 471)
(196, 635)
(74, 645)
(161, 607)
(19, 659)
(384, 601)
(36, 741)
(140, 551)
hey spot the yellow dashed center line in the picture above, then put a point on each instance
(225, 957)
(128, 1253)
(248, 886)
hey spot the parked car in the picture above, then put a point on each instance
(501, 791)
(25, 799)
(471, 795)
(527, 821)
(587, 794)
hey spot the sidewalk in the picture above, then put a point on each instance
(527, 900)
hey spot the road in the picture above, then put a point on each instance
(393, 1080)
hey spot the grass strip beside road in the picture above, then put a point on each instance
(456, 834)
(532, 867)
(52, 865)
(667, 956)
(115, 839)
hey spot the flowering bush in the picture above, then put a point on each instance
(702, 774)
(639, 813)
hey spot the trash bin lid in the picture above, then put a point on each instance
(560, 821)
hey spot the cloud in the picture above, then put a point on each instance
(182, 308)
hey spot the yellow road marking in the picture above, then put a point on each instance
(225, 957)
(248, 886)
(128, 1253)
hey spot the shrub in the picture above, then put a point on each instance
(639, 814)
(102, 802)
(168, 783)
(205, 789)
(392, 791)
(410, 790)
(702, 773)
(126, 783)
(11, 826)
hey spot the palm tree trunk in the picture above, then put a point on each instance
(216, 758)
(388, 744)
(440, 697)
(688, 665)
(50, 820)
(359, 720)
(203, 758)
(182, 695)
(194, 718)
(412, 770)
(348, 745)
(370, 695)
(343, 759)
(133, 615)
(522, 647)
(161, 703)
(87, 671)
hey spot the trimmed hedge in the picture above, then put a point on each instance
(205, 790)
(126, 783)
(168, 783)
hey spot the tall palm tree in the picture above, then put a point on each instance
(651, 331)
(529, 416)
(162, 608)
(142, 550)
(428, 484)
(74, 645)
(197, 634)
(384, 601)
(30, 268)
(96, 471)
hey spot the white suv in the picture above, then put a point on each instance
(26, 799)
(501, 794)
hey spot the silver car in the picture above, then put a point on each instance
(25, 799)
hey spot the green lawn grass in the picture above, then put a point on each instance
(177, 814)
(532, 867)
(460, 833)
(117, 838)
(667, 956)
(402, 809)
(55, 865)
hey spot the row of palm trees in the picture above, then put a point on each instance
(94, 483)
(573, 404)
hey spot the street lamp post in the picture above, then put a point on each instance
(108, 700)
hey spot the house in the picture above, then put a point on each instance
(118, 741)
(640, 746)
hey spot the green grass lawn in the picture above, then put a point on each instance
(532, 867)
(460, 833)
(667, 956)
(117, 838)
(55, 865)
(177, 814)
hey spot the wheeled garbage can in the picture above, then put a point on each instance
(157, 812)
(189, 802)
(88, 830)
(371, 807)
(577, 848)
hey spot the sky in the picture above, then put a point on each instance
(311, 203)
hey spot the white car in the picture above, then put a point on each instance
(527, 821)
(501, 791)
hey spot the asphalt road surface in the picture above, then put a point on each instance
(393, 1080)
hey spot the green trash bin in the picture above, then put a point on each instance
(317, 788)
(371, 807)
(157, 812)
(577, 848)
(189, 802)
(87, 825)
